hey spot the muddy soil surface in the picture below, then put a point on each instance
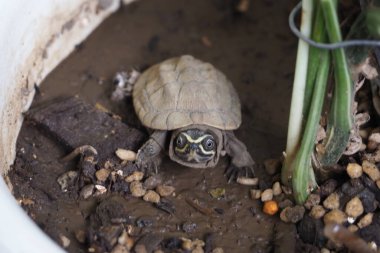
(256, 52)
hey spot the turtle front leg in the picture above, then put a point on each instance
(149, 156)
(241, 161)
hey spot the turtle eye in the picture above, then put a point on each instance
(180, 141)
(208, 144)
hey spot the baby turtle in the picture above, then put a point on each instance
(191, 108)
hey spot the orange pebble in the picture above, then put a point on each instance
(270, 207)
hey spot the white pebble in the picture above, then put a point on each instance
(255, 193)
(126, 155)
(276, 189)
(248, 181)
(267, 195)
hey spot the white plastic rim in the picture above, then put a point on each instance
(35, 35)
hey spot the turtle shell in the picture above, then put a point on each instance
(183, 91)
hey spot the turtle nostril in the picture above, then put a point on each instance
(194, 146)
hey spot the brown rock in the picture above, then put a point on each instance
(165, 190)
(292, 214)
(354, 170)
(354, 207)
(335, 216)
(317, 212)
(332, 201)
(312, 200)
(366, 220)
(151, 196)
(137, 189)
(102, 174)
(371, 170)
(135, 176)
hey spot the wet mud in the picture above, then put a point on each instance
(255, 50)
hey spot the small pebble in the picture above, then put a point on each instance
(366, 220)
(324, 250)
(152, 182)
(270, 207)
(198, 243)
(151, 196)
(102, 174)
(373, 245)
(312, 200)
(354, 170)
(65, 241)
(332, 201)
(292, 214)
(248, 181)
(120, 249)
(197, 250)
(371, 170)
(158, 251)
(276, 188)
(335, 216)
(267, 195)
(100, 189)
(80, 235)
(255, 193)
(272, 166)
(87, 191)
(354, 207)
(317, 212)
(165, 190)
(218, 250)
(135, 176)
(67, 179)
(353, 228)
(187, 244)
(137, 189)
(126, 155)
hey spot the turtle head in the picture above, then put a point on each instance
(195, 147)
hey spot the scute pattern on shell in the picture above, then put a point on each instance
(183, 91)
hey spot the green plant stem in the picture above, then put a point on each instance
(303, 176)
(296, 107)
(340, 115)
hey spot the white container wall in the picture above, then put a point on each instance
(35, 36)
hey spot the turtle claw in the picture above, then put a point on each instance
(233, 172)
(147, 165)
